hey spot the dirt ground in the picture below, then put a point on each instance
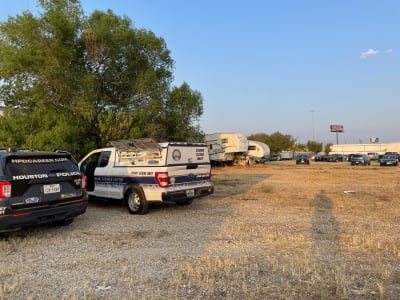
(273, 231)
(324, 230)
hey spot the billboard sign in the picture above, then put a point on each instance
(337, 128)
(374, 140)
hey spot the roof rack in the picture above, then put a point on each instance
(136, 145)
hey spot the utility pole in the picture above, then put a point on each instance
(312, 124)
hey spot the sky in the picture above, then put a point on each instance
(288, 66)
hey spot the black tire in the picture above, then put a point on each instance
(136, 201)
(184, 201)
(64, 222)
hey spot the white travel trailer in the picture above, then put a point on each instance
(227, 148)
(257, 150)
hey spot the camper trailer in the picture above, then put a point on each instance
(258, 151)
(227, 148)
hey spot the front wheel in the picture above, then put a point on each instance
(136, 201)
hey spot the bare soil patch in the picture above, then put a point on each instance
(275, 231)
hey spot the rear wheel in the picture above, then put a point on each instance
(136, 201)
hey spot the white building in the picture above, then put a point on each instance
(365, 148)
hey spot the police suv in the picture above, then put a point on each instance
(142, 171)
(38, 187)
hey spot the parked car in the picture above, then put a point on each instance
(260, 160)
(302, 159)
(336, 157)
(349, 156)
(274, 157)
(373, 155)
(318, 157)
(388, 160)
(360, 159)
(396, 154)
(38, 187)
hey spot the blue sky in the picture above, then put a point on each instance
(263, 66)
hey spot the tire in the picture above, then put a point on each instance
(136, 201)
(64, 222)
(185, 201)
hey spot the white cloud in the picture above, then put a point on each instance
(388, 51)
(368, 53)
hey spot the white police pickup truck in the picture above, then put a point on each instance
(142, 171)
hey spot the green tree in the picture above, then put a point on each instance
(260, 137)
(327, 148)
(181, 108)
(68, 78)
(300, 148)
(276, 141)
(314, 146)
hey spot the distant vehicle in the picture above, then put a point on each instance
(318, 157)
(302, 159)
(393, 153)
(349, 156)
(360, 159)
(388, 160)
(275, 156)
(258, 152)
(334, 157)
(326, 157)
(373, 155)
(286, 155)
(261, 160)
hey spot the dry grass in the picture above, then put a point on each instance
(324, 231)
(319, 231)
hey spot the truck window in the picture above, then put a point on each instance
(104, 158)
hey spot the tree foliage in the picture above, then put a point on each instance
(314, 146)
(328, 148)
(276, 141)
(76, 82)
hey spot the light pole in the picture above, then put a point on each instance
(312, 124)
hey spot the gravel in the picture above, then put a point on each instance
(107, 253)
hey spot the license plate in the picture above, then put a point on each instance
(190, 193)
(51, 188)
